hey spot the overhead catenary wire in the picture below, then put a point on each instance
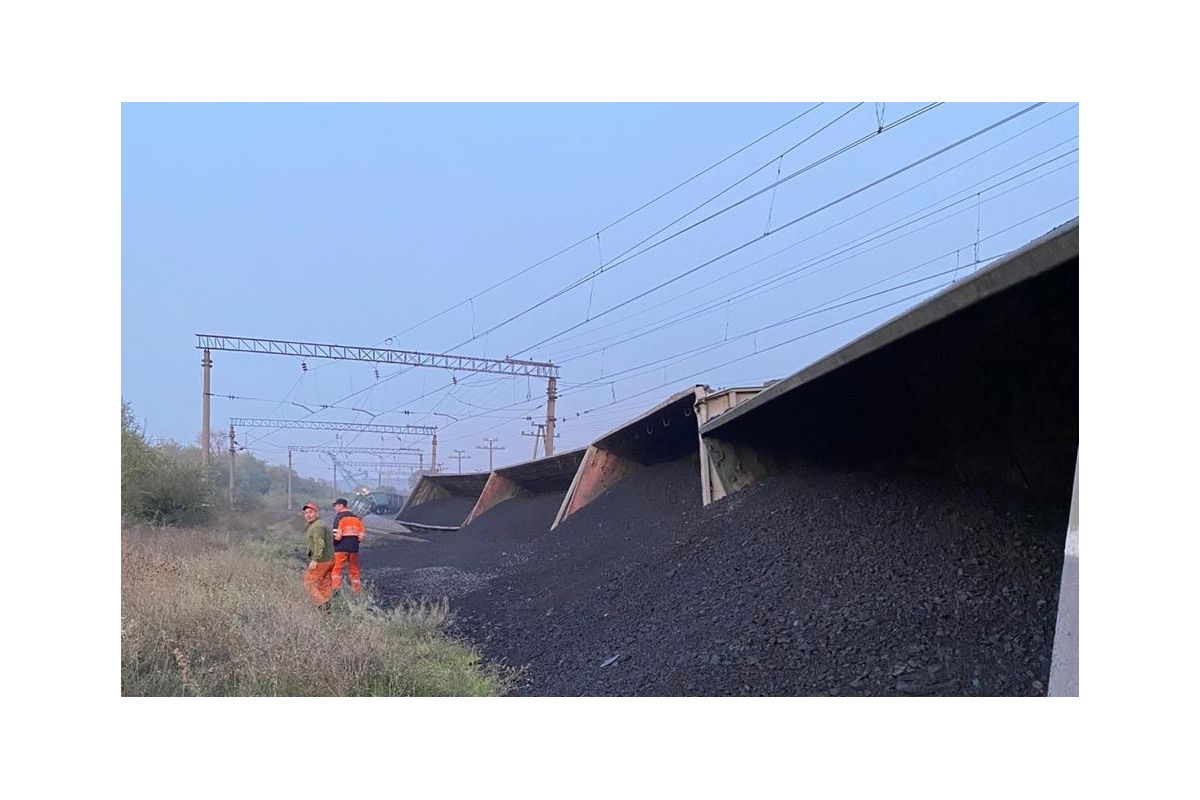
(794, 339)
(627, 258)
(627, 400)
(774, 281)
(448, 386)
(615, 222)
(787, 224)
(653, 365)
(572, 246)
(829, 156)
(856, 215)
(617, 259)
(475, 336)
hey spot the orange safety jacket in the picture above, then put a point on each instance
(348, 532)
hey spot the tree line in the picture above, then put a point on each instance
(167, 483)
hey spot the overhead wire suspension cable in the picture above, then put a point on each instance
(773, 281)
(623, 260)
(789, 223)
(866, 210)
(615, 222)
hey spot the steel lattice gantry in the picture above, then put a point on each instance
(389, 451)
(316, 425)
(374, 464)
(378, 355)
(350, 450)
(351, 427)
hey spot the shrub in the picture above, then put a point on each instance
(157, 485)
(175, 493)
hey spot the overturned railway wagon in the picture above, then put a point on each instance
(665, 433)
(971, 399)
(890, 520)
(442, 502)
(533, 483)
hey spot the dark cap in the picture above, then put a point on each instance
(307, 506)
(340, 502)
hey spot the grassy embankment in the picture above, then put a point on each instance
(224, 612)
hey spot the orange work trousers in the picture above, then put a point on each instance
(340, 560)
(318, 581)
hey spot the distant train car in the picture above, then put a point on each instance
(380, 503)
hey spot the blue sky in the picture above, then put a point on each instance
(352, 223)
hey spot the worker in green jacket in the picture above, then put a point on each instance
(318, 578)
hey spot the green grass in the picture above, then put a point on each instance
(224, 612)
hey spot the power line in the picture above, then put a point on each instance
(615, 260)
(439, 389)
(774, 281)
(866, 210)
(688, 354)
(793, 221)
(709, 218)
(501, 425)
(692, 353)
(603, 267)
(615, 222)
(793, 175)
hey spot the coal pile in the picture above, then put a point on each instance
(445, 512)
(808, 583)
(519, 519)
(520, 615)
(452, 563)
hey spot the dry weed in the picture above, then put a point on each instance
(219, 613)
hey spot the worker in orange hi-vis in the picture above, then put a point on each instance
(317, 578)
(348, 533)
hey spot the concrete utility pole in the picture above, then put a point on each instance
(460, 455)
(433, 462)
(489, 445)
(289, 479)
(206, 363)
(381, 355)
(232, 446)
(551, 396)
